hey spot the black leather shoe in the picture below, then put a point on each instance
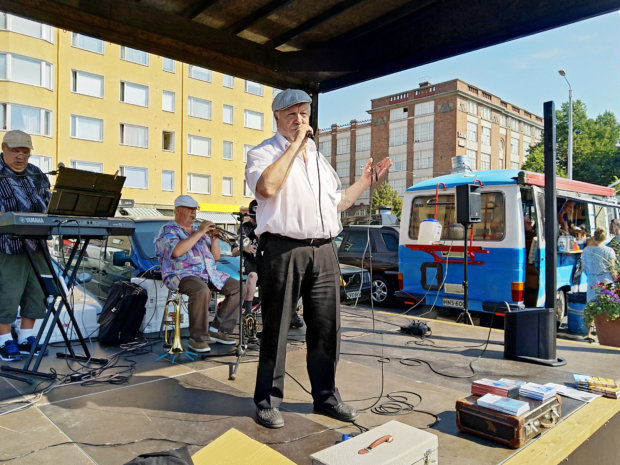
(297, 322)
(269, 417)
(340, 411)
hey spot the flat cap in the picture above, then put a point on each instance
(185, 201)
(288, 98)
(17, 138)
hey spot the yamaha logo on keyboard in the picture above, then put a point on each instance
(30, 219)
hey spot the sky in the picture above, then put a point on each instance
(523, 72)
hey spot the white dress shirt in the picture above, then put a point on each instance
(296, 211)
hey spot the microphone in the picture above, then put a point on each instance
(55, 172)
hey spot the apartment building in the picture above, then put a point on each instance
(424, 128)
(169, 127)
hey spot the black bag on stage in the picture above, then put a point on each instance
(122, 313)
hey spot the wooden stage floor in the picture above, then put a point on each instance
(153, 406)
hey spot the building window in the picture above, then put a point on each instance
(472, 131)
(343, 145)
(399, 187)
(168, 64)
(227, 150)
(473, 158)
(254, 88)
(422, 159)
(247, 192)
(246, 149)
(197, 145)
(167, 180)
(472, 107)
(396, 114)
(228, 80)
(198, 183)
(423, 132)
(167, 141)
(227, 114)
(501, 154)
(485, 112)
(33, 120)
(398, 136)
(514, 124)
(202, 74)
(253, 119)
(26, 70)
(134, 94)
(227, 186)
(325, 147)
(486, 135)
(87, 84)
(359, 165)
(134, 136)
(137, 178)
(26, 27)
(424, 108)
(135, 56)
(485, 161)
(88, 43)
(362, 142)
(168, 101)
(399, 162)
(342, 168)
(502, 120)
(87, 166)
(86, 128)
(41, 162)
(514, 153)
(199, 108)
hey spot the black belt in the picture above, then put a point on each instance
(315, 242)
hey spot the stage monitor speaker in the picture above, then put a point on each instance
(468, 204)
(529, 336)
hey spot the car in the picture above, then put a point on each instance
(375, 248)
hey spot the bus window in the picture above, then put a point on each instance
(491, 228)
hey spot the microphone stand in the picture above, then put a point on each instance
(242, 344)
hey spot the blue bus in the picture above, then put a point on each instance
(506, 249)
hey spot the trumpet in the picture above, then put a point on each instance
(222, 233)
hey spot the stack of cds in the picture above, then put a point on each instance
(537, 391)
(604, 386)
(503, 387)
(504, 404)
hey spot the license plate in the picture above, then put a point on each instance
(354, 294)
(456, 303)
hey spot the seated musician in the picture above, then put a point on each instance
(188, 254)
(23, 188)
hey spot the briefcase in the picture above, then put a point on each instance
(511, 430)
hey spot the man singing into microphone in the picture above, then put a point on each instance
(23, 188)
(299, 199)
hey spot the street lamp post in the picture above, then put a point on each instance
(569, 158)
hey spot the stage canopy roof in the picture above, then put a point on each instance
(318, 45)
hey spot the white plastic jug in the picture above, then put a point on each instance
(430, 232)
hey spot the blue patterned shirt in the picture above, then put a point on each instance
(198, 261)
(28, 191)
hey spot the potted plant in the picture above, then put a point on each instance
(604, 312)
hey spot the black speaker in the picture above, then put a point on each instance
(468, 204)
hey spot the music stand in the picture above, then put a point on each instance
(81, 194)
(242, 344)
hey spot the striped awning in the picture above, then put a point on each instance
(138, 211)
(218, 218)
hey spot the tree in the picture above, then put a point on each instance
(386, 196)
(596, 158)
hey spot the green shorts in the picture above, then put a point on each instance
(19, 287)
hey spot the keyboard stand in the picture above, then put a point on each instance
(54, 308)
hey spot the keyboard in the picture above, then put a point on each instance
(44, 225)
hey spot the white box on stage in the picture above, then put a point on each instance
(157, 294)
(392, 443)
(85, 313)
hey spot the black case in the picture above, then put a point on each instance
(122, 313)
(514, 431)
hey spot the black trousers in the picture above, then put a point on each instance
(288, 269)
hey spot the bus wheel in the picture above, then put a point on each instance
(560, 307)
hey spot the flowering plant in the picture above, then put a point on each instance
(606, 302)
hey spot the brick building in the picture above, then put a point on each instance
(424, 128)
